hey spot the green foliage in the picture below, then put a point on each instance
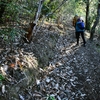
(49, 7)
(11, 12)
(79, 8)
(3, 3)
(28, 11)
(15, 9)
(2, 77)
(51, 98)
(45, 9)
(92, 12)
(9, 34)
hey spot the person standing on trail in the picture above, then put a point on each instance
(80, 28)
(74, 22)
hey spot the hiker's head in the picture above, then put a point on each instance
(80, 19)
(76, 16)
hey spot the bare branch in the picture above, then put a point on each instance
(63, 2)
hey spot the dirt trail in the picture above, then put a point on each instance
(71, 72)
(76, 71)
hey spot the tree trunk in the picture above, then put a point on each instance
(93, 28)
(2, 9)
(87, 23)
(96, 22)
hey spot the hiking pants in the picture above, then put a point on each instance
(78, 36)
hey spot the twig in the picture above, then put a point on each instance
(38, 14)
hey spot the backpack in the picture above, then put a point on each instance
(80, 26)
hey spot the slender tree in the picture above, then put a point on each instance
(95, 22)
(87, 24)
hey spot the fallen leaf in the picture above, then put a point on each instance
(3, 89)
(21, 97)
(20, 65)
(12, 65)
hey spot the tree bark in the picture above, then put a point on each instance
(96, 22)
(2, 9)
(87, 24)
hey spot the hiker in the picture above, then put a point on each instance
(74, 22)
(80, 28)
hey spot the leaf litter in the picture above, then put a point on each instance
(51, 67)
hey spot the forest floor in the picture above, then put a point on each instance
(62, 70)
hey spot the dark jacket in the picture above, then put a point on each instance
(80, 26)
